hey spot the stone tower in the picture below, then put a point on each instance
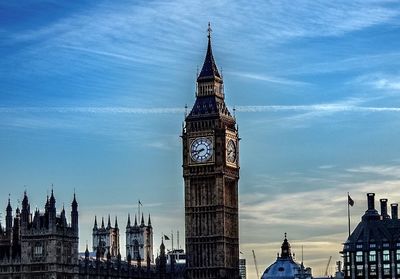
(139, 240)
(106, 239)
(211, 175)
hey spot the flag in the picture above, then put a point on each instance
(166, 237)
(350, 200)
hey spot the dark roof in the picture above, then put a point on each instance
(209, 106)
(209, 70)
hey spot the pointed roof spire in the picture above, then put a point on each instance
(87, 251)
(102, 222)
(209, 70)
(135, 221)
(149, 221)
(74, 202)
(9, 208)
(116, 222)
(142, 221)
(52, 198)
(95, 223)
(128, 224)
(109, 222)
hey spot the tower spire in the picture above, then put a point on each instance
(209, 71)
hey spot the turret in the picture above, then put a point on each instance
(25, 212)
(135, 225)
(142, 221)
(95, 223)
(109, 222)
(74, 215)
(285, 249)
(9, 218)
(149, 222)
(63, 218)
(128, 224)
(52, 210)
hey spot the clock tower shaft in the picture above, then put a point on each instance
(211, 175)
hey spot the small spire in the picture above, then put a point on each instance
(116, 222)
(9, 208)
(95, 223)
(109, 222)
(87, 251)
(102, 222)
(135, 221)
(209, 30)
(149, 221)
(209, 71)
(142, 221)
(128, 224)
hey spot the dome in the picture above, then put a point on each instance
(285, 267)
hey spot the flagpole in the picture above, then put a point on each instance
(348, 210)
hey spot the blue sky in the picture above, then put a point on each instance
(92, 97)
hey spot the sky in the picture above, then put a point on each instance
(93, 95)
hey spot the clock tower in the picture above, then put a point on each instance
(211, 175)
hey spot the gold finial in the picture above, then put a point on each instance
(209, 30)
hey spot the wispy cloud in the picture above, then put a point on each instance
(271, 79)
(387, 82)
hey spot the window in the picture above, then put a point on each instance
(372, 256)
(359, 246)
(386, 255)
(398, 269)
(386, 269)
(359, 256)
(385, 245)
(372, 270)
(359, 271)
(398, 254)
(372, 245)
(38, 250)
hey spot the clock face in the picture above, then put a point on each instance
(231, 152)
(201, 150)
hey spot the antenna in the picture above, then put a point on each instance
(234, 112)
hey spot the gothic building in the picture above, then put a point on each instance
(211, 174)
(106, 239)
(139, 240)
(39, 244)
(373, 248)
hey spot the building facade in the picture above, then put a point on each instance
(211, 174)
(373, 248)
(40, 244)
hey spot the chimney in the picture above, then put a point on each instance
(384, 212)
(371, 201)
(395, 213)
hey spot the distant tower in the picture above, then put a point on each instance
(74, 216)
(106, 239)
(211, 175)
(139, 239)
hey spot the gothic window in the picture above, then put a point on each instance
(372, 256)
(398, 254)
(359, 256)
(386, 255)
(398, 269)
(38, 250)
(372, 270)
(372, 245)
(359, 271)
(386, 269)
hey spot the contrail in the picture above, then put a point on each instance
(241, 109)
